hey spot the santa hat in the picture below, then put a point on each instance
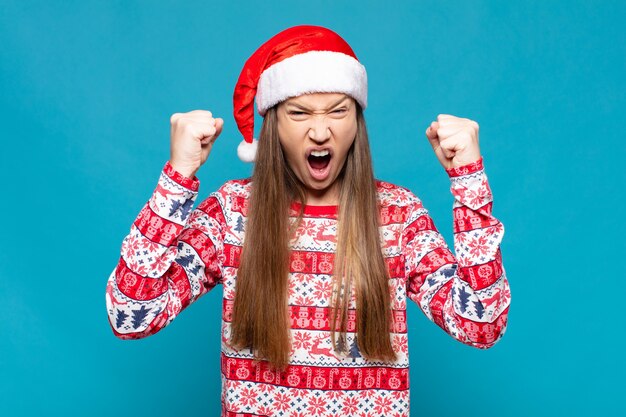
(301, 59)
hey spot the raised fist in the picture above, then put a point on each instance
(192, 137)
(454, 140)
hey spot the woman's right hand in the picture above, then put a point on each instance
(192, 137)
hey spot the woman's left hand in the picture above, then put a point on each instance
(454, 140)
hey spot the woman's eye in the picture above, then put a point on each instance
(302, 114)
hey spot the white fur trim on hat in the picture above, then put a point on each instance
(247, 151)
(312, 72)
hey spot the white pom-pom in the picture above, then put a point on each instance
(247, 151)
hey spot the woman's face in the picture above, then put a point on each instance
(316, 131)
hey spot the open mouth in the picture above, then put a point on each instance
(319, 160)
(319, 164)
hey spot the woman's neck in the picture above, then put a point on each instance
(326, 197)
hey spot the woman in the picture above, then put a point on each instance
(315, 256)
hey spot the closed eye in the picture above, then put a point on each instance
(301, 113)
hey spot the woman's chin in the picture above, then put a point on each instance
(322, 193)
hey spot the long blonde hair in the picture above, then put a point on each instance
(260, 318)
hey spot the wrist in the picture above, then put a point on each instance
(467, 168)
(185, 171)
(192, 184)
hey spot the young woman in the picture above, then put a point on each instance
(315, 256)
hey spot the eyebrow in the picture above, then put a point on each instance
(290, 103)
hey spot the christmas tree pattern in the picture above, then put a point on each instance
(479, 309)
(449, 272)
(354, 350)
(195, 269)
(340, 345)
(464, 297)
(239, 225)
(184, 208)
(139, 316)
(119, 319)
(175, 206)
(185, 261)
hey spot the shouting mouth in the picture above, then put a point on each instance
(319, 163)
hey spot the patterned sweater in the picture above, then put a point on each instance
(173, 255)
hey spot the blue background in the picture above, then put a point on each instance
(87, 89)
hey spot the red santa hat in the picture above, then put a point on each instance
(299, 60)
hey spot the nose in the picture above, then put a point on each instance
(320, 129)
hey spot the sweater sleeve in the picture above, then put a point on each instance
(170, 258)
(467, 295)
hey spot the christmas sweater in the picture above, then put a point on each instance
(174, 254)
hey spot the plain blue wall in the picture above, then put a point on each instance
(86, 92)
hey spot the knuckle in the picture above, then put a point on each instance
(188, 127)
(174, 117)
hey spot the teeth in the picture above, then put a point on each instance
(320, 153)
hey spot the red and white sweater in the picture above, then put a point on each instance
(173, 255)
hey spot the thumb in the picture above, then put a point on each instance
(431, 134)
(219, 125)
(441, 149)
